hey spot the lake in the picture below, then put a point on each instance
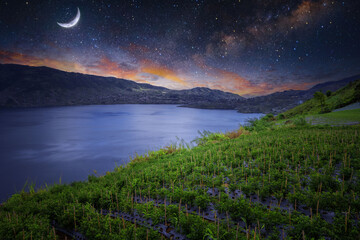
(42, 145)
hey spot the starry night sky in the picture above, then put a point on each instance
(248, 47)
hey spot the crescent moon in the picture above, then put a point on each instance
(71, 23)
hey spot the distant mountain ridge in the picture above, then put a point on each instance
(24, 86)
(282, 101)
(338, 99)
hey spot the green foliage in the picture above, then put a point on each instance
(258, 125)
(328, 93)
(237, 133)
(268, 117)
(356, 97)
(202, 201)
(281, 116)
(300, 121)
(320, 103)
(325, 109)
(319, 96)
(316, 167)
(312, 229)
(207, 137)
(336, 118)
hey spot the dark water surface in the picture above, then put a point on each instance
(43, 144)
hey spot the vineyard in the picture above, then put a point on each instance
(286, 182)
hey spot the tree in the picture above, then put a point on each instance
(328, 93)
(357, 93)
(320, 97)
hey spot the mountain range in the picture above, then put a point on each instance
(282, 101)
(24, 86)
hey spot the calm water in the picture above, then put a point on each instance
(41, 145)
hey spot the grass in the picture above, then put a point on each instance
(263, 181)
(341, 117)
(342, 97)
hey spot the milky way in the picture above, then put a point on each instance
(249, 47)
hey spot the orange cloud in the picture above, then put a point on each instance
(225, 80)
(232, 82)
(161, 71)
(295, 86)
(7, 57)
(106, 67)
(103, 67)
(217, 78)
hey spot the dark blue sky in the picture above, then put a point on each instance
(249, 47)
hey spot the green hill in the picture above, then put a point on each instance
(342, 97)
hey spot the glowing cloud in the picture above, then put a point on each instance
(161, 71)
(232, 82)
(107, 67)
(150, 72)
(7, 57)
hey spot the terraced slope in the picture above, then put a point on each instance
(277, 184)
(342, 97)
(346, 117)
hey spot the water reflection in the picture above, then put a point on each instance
(41, 145)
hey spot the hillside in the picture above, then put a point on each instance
(342, 97)
(23, 86)
(285, 183)
(282, 101)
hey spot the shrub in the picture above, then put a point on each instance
(202, 201)
(269, 117)
(356, 96)
(255, 124)
(237, 133)
(300, 121)
(320, 97)
(209, 137)
(328, 183)
(326, 109)
(281, 116)
(313, 229)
